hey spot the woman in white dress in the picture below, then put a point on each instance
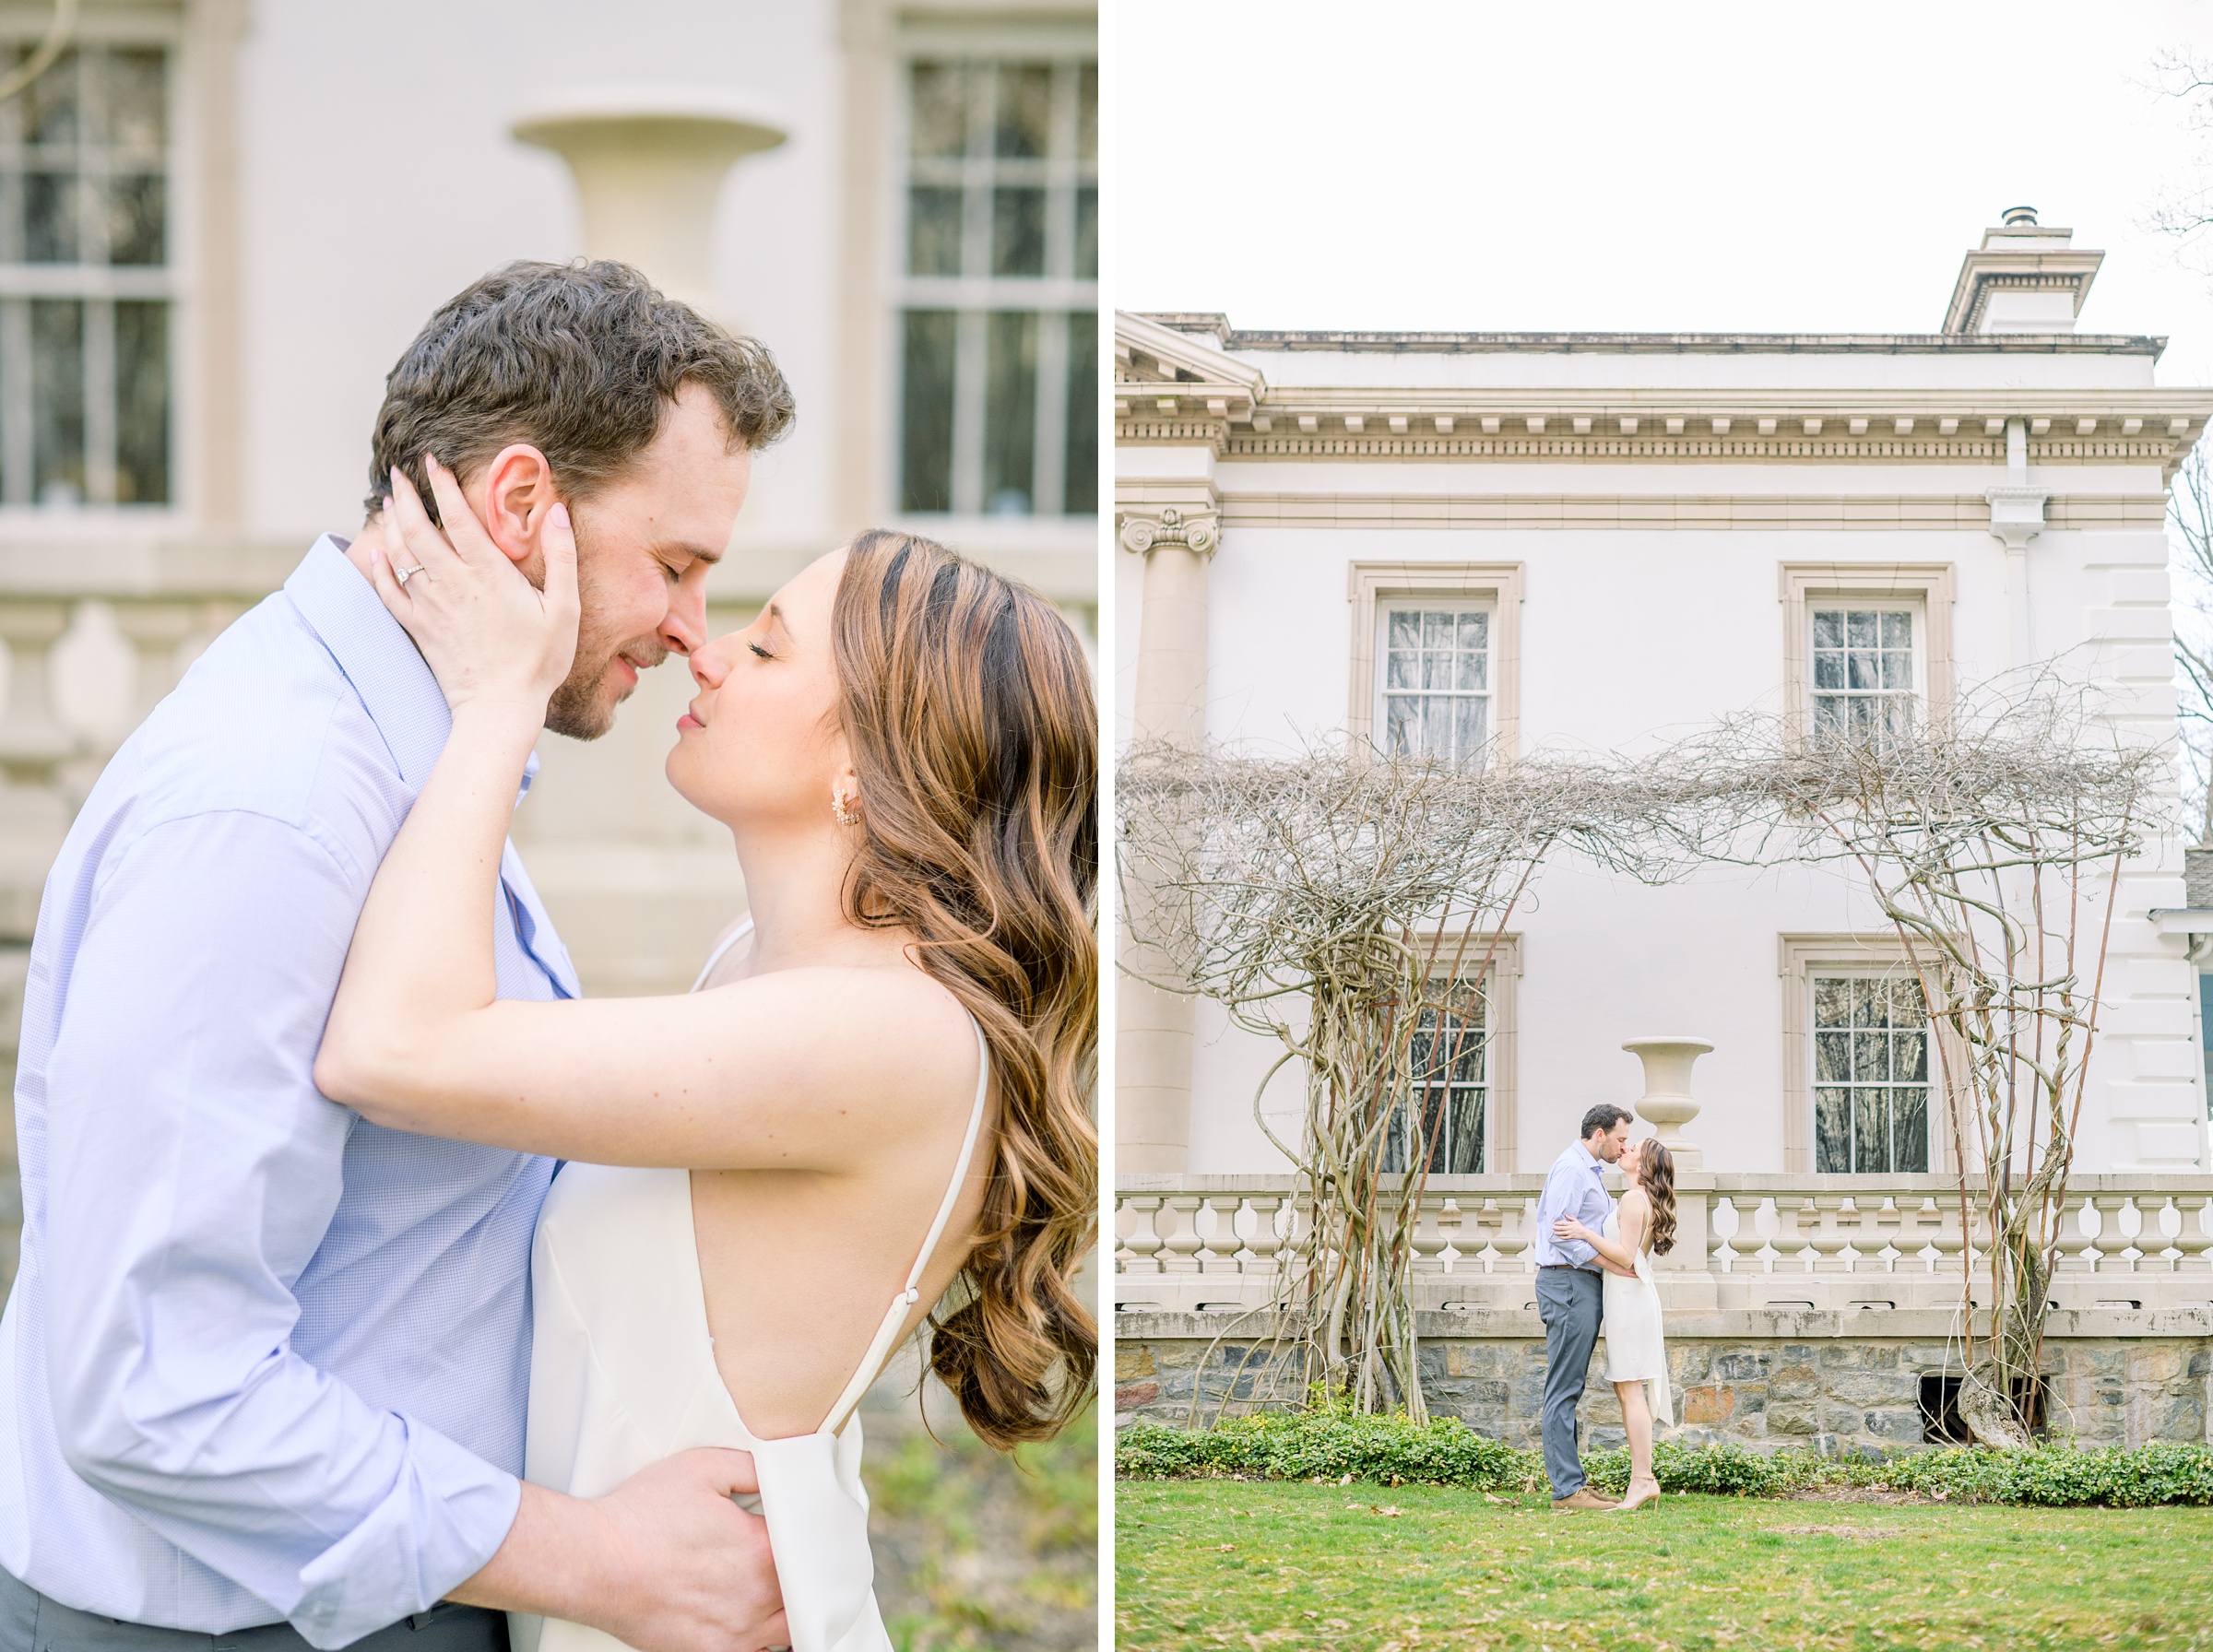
(880, 1095)
(1641, 1226)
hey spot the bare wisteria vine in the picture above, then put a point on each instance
(1335, 903)
(1990, 839)
(1336, 900)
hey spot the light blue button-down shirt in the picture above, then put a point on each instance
(1575, 1186)
(264, 1360)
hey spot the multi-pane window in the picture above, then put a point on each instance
(1443, 1127)
(1436, 691)
(85, 281)
(999, 292)
(1865, 670)
(1870, 1075)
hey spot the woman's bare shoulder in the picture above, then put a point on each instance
(877, 1035)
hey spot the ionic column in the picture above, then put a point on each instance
(1152, 1026)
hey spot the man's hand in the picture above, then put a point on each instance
(664, 1563)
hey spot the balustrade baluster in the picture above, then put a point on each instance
(1488, 1224)
(2163, 1223)
(1177, 1225)
(2090, 1222)
(1454, 1221)
(1725, 1228)
(1827, 1240)
(2128, 1224)
(1427, 1240)
(2195, 1236)
(1219, 1254)
(1928, 1222)
(1793, 1245)
(2114, 1241)
(1766, 1223)
(1143, 1244)
(156, 631)
(1884, 1225)
(1265, 1242)
(32, 741)
(1516, 1217)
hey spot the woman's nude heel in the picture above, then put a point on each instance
(1645, 1502)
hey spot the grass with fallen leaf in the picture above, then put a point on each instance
(1268, 1564)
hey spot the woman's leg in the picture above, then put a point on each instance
(1636, 1418)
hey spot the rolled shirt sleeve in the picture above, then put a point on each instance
(194, 1170)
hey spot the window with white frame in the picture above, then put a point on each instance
(999, 288)
(1434, 691)
(1871, 1074)
(85, 283)
(1867, 673)
(1442, 1130)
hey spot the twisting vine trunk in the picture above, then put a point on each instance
(1992, 841)
(1341, 903)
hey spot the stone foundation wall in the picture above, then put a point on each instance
(1766, 1380)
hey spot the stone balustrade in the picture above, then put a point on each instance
(80, 673)
(1201, 1244)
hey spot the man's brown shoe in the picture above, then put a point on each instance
(1584, 1501)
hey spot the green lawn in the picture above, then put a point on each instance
(980, 1553)
(1257, 1564)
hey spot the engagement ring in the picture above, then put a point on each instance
(405, 574)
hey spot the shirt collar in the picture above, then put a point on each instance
(379, 659)
(1590, 1158)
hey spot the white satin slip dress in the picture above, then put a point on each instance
(622, 1374)
(1636, 1348)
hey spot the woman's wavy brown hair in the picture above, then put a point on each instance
(1656, 1171)
(967, 704)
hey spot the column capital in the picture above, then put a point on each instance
(1146, 531)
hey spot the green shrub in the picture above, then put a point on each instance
(1333, 1442)
(1328, 1441)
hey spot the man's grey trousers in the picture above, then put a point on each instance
(1569, 1301)
(31, 1622)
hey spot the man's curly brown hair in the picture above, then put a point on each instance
(582, 360)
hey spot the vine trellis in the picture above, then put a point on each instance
(1336, 900)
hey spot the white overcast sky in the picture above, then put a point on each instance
(1611, 167)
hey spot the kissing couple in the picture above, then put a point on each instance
(375, 1285)
(1594, 1271)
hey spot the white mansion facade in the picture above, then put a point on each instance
(1600, 540)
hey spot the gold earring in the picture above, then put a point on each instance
(838, 807)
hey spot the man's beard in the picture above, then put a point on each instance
(577, 708)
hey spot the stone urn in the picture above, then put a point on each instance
(1666, 1104)
(649, 163)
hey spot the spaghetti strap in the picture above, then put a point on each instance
(895, 1319)
(739, 931)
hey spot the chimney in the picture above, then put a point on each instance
(2023, 278)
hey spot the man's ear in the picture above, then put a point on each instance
(515, 497)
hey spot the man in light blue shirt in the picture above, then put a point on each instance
(263, 1373)
(1570, 1294)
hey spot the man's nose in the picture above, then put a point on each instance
(684, 627)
